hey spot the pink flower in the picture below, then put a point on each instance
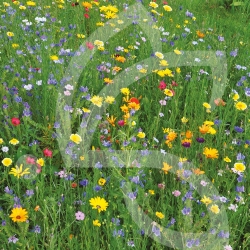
(15, 121)
(161, 185)
(203, 183)
(47, 153)
(163, 102)
(162, 85)
(86, 15)
(30, 160)
(90, 45)
(176, 193)
(80, 215)
(121, 123)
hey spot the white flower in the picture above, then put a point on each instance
(39, 83)
(5, 149)
(233, 207)
(28, 86)
(69, 87)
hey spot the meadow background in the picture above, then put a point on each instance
(57, 191)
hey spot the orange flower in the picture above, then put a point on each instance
(73, 185)
(189, 134)
(200, 34)
(219, 102)
(171, 136)
(204, 129)
(197, 171)
(120, 59)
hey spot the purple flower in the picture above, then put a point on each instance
(131, 243)
(234, 53)
(116, 221)
(221, 38)
(219, 53)
(240, 157)
(97, 188)
(29, 193)
(132, 195)
(98, 165)
(247, 92)
(12, 239)
(79, 215)
(240, 189)
(84, 182)
(156, 231)
(238, 129)
(37, 229)
(186, 211)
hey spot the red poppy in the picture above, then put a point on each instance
(133, 99)
(86, 15)
(15, 121)
(47, 153)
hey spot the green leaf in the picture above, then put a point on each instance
(237, 4)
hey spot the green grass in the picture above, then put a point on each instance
(122, 153)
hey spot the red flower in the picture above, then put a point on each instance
(86, 15)
(133, 99)
(47, 153)
(162, 85)
(86, 9)
(30, 160)
(15, 121)
(174, 83)
(74, 185)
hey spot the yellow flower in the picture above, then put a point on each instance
(120, 22)
(101, 181)
(241, 105)
(107, 80)
(178, 70)
(163, 63)
(98, 203)
(40, 162)
(159, 215)
(159, 55)
(168, 92)
(54, 58)
(215, 209)
(82, 158)
(14, 45)
(206, 105)
(208, 123)
(166, 168)
(125, 91)
(76, 138)
(236, 97)
(124, 108)
(110, 99)
(87, 5)
(111, 120)
(22, 7)
(211, 131)
(96, 223)
(120, 59)
(85, 110)
(153, 4)
(211, 153)
(110, 15)
(167, 8)
(16, 2)
(152, 192)
(184, 119)
(100, 24)
(227, 159)
(177, 52)
(31, 3)
(240, 167)
(14, 141)
(97, 100)
(141, 135)
(19, 214)
(10, 34)
(7, 162)
(19, 172)
(6, 4)
(206, 200)
(133, 123)
(80, 35)
(1, 140)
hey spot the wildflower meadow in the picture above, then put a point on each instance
(124, 124)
